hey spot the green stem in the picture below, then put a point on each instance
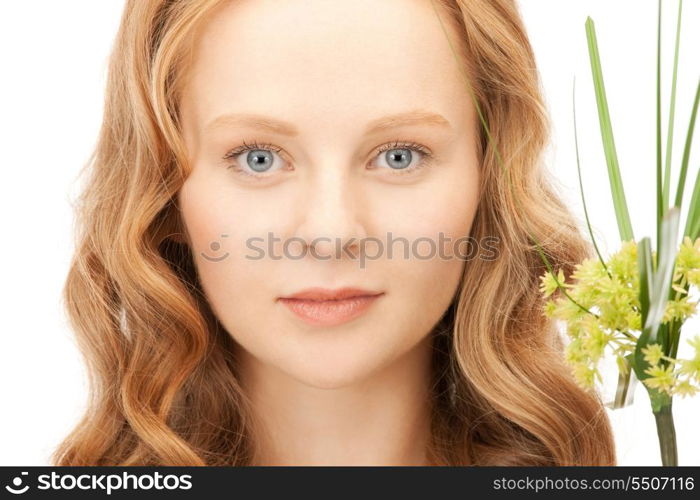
(667, 435)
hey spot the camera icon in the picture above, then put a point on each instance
(17, 483)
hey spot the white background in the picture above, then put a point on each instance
(53, 61)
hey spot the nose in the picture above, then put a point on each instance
(332, 218)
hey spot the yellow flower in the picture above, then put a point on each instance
(549, 308)
(685, 388)
(653, 354)
(589, 269)
(679, 310)
(688, 260)
(677, 287)
(695, 344)
(547, 283)
(594, 343)
(586, 375)
(623, 263)
(567, 310)
(660, 377)
(602, 309)
(694, 277)
(691, 367)
(633, 320)
(573, 352)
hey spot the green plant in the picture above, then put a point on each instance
(637, 301)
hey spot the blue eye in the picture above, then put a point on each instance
(255, 159)
(399, 157)
(259, 161)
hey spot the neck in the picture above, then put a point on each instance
(383, 419)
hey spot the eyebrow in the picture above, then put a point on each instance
(273, 125)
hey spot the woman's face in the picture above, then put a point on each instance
(359, 125)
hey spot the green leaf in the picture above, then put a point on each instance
(669, 140)
(616, 187)
(692, 224)
(686, 150)
(660, 209)
(658, 291)
(663, 273)
(645, 274)
(695, 230)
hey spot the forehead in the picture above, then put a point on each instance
(325, 61)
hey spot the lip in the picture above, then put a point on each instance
(328, 307)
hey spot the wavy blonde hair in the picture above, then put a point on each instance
(163, 382)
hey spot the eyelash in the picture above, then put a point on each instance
(427, 156)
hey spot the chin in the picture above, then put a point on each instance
(332, 373)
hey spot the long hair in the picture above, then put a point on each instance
(162, 372)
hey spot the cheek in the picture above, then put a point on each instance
(444, 203)
(220, 226)
(436, 219)
(211, 207)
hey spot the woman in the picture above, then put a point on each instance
(252, 152)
